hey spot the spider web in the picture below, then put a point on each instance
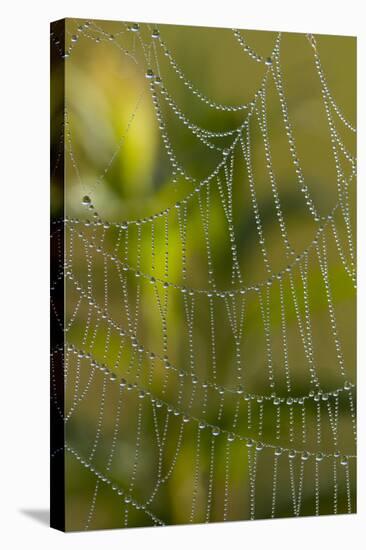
(175, 375)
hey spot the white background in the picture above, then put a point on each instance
(24, 330)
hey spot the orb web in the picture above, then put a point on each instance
(167, 359)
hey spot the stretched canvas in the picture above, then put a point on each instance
(203, 274)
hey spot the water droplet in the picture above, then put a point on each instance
(319, 457)
(202, 425)
(289, 401)
(74, 38)
(123, 383)
(215, 431)
(159, 404)
(86, 200)
(292, 453)
(347, 385)
(155, 33)
(311, 40)
(305, 455)
(344, 460)
(127, 499)
(259, 446)
(152, 280)
(240, 390)
(113, 377)
(278, 451)
(141, 394)
(230, 437)
(276, 401)
(186, 419)
(124, 225)
(135, 27)
(158, 80)
(149, 74)
(269, 61)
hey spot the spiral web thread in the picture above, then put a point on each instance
(112, 279)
